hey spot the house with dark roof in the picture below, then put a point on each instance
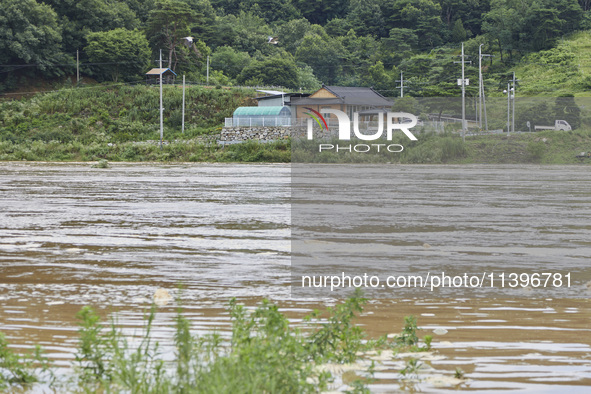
(366, 101)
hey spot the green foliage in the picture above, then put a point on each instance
(30, 34)
(365, 17)
(292, 33)
(458, 33)
(94, 349)
(21, 370)
(323, 54)
(339, 339)
(230, 61)
(80, 17)
(244, 32)
(274, 71)
(566, 108)
(168, 23)
(535, 151)
(102, 163)
(422, 16)
(123, 52)
(409, 337)
(411, 369)
(452, 149)
(529, 25)
(321, 11)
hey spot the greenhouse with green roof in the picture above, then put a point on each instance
(260, 116)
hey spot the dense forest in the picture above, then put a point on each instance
(291, 43)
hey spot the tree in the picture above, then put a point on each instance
(421, 16)
(292, 33)
(359, 54)
(204, 29)
(323, 53)
(399, 45)
(566, 108)
(141, 8)
(501, 24)
(378, 78)
(458, 33)
(125, 52)
(469, 11)
(80, 17)
(169, 22)
(321, 11)
(542, 26)
(585, 4)
(271, 10)
(30, 34)
(245, 33)
(229, 60)
(528, 25)
(365, 16)
(277, 71)
(306, 78)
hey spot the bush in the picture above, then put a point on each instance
(265, 354)
(535, 151)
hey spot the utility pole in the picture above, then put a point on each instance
(481, 95)
(401, 87)
(183, 122)
(77, 68)
(207, 80)
(514, 82)
(508, 108)
(463, 82)
(161, 109)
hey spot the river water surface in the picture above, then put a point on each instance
(72, 235)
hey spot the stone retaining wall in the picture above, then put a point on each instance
(269, 133)
(261, 133)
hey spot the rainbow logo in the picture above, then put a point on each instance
(317, 117)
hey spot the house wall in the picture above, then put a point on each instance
(322, 93)
(299, 110)
(273, 102)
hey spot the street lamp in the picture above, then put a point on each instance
(510, 95)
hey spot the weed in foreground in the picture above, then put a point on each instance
(22, 370)
(264, 354)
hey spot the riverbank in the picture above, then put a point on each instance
(117, 122)
(548, 147)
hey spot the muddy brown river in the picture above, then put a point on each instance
(72, 235)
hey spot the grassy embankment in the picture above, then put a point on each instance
(547, 147)
(121, 123)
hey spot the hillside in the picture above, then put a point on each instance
(120, 122)
(563, 70)
(291, 43)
